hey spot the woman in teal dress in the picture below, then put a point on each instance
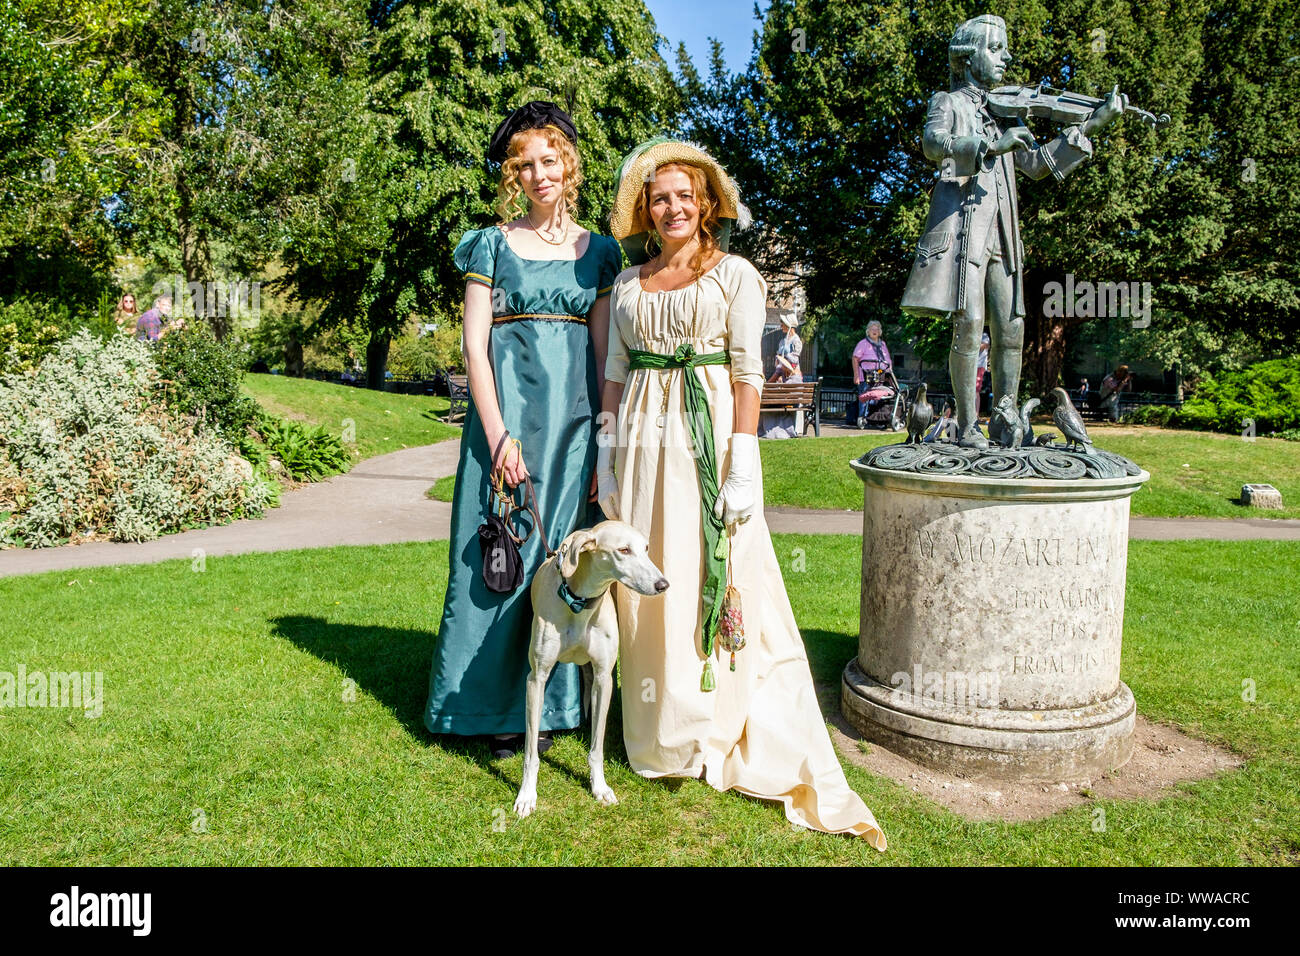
(536, 326)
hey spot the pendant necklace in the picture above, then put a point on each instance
(555, 242)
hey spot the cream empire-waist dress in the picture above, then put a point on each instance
(761, 731)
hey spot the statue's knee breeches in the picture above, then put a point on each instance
(966, 331)
(1008, 332)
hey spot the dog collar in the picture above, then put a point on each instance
(574, 602)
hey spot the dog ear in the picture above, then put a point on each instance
(580, 542)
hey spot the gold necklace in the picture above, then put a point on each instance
(557, 242)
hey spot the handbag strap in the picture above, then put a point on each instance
(530, 501)
(493, 463)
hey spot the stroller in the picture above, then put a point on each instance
(882, 401)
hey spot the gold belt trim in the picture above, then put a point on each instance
(544, 316)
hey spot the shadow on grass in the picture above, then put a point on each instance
(392, 665)
(436, 416)
(828, 652)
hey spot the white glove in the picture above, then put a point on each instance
(606, 483)
(735, 504)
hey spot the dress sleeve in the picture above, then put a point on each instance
(611, 265)
(616, 359)
(475, 255)
(796, 350)
(746, 315)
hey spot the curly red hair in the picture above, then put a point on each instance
(511, 202)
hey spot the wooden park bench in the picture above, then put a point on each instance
(458, 391)
(793, 397)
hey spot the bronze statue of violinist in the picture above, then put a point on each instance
(970, 260)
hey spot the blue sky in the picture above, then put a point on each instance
(693, 21)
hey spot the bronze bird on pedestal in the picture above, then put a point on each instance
(1069, 421)
(919, 417)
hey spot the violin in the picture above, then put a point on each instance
(1022, 102)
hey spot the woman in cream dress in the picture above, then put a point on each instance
(760, 730)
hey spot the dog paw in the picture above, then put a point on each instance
(604, 796)
(525, 804)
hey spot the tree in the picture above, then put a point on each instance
(70, 126)
(834, 102)
(443, 76)
(257, 102)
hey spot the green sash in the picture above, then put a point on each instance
(700, 423)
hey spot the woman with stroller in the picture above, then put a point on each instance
(871, 361)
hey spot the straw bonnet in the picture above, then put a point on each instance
(639, 167)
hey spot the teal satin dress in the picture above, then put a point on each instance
(545, 370)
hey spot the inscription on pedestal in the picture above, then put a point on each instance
(991, 622)
(1049, 599)
(1011, 550)
(1075, 663)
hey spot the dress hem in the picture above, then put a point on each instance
(502, 723)
(871, 832)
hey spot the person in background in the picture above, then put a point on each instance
(788, 350)
(980, 369)
(870, 358)
(152, 325)
(127, 316)
(1083, 391)
(871, 354)
(1111, 386)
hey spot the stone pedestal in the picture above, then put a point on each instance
(1261, 496)
(992, 617)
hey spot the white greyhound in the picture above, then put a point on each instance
(574, 622)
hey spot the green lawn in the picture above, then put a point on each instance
(382, 421)
(814, 472)
(228, 734)
(1192, 473)
(442, 489)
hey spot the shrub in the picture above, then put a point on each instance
(1150, 415)
(1268, 392)
(87, 450)
(315, 358)
(308, 454)
(335, 350)
(426, 355)
(205, 377)
(30, 329)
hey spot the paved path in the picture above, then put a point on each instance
(381, 501)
